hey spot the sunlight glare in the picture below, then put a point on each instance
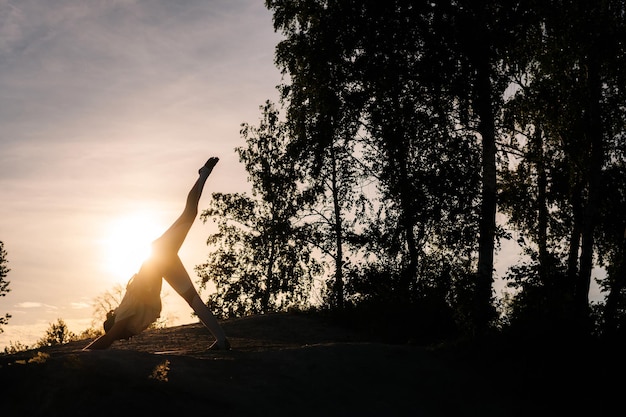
(128, 244)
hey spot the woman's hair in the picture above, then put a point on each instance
(110, 320)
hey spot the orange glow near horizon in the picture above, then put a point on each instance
(127, 244)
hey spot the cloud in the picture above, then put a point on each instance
(28, 304)
(11, 20)
(131, 78)
(103, 54)
(34, 304)
(80, 305)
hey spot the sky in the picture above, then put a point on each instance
(107, 110)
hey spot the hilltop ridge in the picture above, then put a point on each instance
(281, 364)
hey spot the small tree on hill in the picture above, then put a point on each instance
(57, 334)
(4, 284)
(105, 302)
(261, 261)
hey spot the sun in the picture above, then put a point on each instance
(127, 244)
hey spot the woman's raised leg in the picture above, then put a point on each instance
(173, 238)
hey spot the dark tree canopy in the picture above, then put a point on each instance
(261, 262)
(418, 135)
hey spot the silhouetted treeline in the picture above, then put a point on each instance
(409, 128)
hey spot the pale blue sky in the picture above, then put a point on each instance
(107, 110)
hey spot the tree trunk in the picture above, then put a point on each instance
(269, 280)
(574, 240)
(408, 222)
(617, 285)
(338, 285)
(398, 161)
(487, 224)
(542, 215)
(594, 137)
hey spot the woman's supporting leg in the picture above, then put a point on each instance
(178, 278)
(208, 319)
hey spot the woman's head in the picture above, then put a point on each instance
(110, 320)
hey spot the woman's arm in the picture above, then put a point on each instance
(118, 331)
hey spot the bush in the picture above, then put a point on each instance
(57, 334)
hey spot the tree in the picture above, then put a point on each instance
(324, 122)
(483, 38)
(366, 91)
(614, 319)
(57, 334)
(611, 238)
(4, 284)
(530, 178)
(15, 347)
(261, 260)
(107, 302)
(568, 106)
(520, 98)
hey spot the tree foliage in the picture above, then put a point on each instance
(373, 93)
(106, 302)
(417, 135)
(4, 284)
(566, 122)
(260, 262)
(57, 334)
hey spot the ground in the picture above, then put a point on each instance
(280, 364)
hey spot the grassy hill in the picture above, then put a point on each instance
(281, 364)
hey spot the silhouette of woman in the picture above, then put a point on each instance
(141, 305)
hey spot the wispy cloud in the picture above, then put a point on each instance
(11, 21)
(34, 304)
(80, 305)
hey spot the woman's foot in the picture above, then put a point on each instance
(208, 166)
